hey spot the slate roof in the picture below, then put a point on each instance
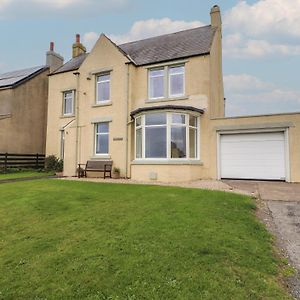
(14, 78)
(72, 64)
(186, 43)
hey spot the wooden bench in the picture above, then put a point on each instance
(104, 166)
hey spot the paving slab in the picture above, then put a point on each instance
(279, 191)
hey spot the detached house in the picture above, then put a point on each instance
(155, 107)
(23, 107)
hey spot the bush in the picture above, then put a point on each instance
(52, 163)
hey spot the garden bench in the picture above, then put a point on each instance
(104, 166)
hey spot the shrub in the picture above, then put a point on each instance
(52, 163)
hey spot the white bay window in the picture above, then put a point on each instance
(166, 135)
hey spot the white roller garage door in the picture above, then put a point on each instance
(253, 156)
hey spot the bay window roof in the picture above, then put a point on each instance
(166, 107)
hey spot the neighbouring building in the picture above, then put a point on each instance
(155, 107)
(23, 107)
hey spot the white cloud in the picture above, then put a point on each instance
(265, 17)
(89, 39)
(265, 28)
(43, 8)
(247, 94)
(238, 46)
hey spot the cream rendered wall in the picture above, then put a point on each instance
(103, 57)
(56, 121)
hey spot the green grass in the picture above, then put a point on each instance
(24, 174)
(77, 240)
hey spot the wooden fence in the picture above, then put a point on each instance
(13, 160)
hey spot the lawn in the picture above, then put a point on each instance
(76, 240)
(24, 174)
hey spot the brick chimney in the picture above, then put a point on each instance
(78, 48)
(53, 59)
(215, 15)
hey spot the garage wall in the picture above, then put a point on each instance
(291, 122)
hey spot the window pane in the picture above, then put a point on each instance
(155, 73)
(68, 109)
(193, 143)
(178, 119)
(103, 78)
(68, 103)
(156, 83)
(178, 142)
(139, 147)
(103, 91)
(176, 84)
(156, 119)
(102, 144)
(102, 128)
(156, 142)
(156, 87)
(176, 70)
(193, 121)
(138, 121)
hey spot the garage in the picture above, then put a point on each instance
(256, 155)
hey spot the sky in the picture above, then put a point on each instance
(261, 39)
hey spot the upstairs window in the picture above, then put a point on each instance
(156, 83)
(68, 103)
(176, 81)
(103, 88)
(166, 82)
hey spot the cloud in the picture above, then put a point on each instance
(89, 39)
(238, 46)
(247, 94)
(265, 17)
(43, 8)
(265, 28)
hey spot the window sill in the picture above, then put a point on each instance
(167, 162)
(100, 156)
(104, 103)
(67, 116)
(167, 99)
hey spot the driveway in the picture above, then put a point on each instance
(283, 202)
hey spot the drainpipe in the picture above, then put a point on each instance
(77, 74)
(127, 114)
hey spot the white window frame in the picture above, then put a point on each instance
(98, 82)
(72, 92)
(149, 82)
(62, 143)
(169, 126)
(167, 82)
(95, 138)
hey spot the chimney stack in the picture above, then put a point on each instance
(215, 15)
(53, 59)
(78, 48)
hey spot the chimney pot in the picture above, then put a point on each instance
(51, 46)
(77, 38)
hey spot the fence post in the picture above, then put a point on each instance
(37, 160)
(5, 162)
